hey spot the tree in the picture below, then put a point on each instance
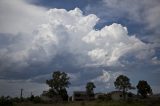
(123, 83)
(144, 88)
(58, 84)
(90, 88)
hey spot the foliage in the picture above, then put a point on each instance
(90, 88)
(58, 84)
(16, 99)
(64, 94)
(37, 99)
(31, 98)
(144, 88)
(123, 83)
(6, 101)
(50, 93)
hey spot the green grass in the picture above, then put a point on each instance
(94, 103)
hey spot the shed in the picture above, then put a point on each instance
(117, 95)
(79, 96)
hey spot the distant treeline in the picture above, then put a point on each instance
(60, 82)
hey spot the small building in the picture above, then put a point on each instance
(117, 95)
(79, 96)
(53, 99)
(99, 95)
(45, 98)
(82, 96)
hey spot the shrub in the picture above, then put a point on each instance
(37, 99)
(6, 101)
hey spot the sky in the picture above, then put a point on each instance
(90, 40)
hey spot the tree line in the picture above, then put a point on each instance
(60, 82)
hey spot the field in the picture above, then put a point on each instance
(95, 103)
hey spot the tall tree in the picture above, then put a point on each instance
(58, 84)
(144, 88)
(123, 83)
(90, 88)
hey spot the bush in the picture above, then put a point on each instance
(37, 99)
(16, 100)
(6, 101)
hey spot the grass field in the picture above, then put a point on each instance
(95, 103)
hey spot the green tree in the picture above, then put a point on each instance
(90, 88)
(144, 88)
(123, 83)
(58, 84)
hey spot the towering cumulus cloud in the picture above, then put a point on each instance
(75, 33)
(34, 41)
(112, 42)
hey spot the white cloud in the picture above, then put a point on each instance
(97, 54)
(145, 12)
(31, 39)
(105, 77)
(62, 31)
(58, 34)
(112, 42)
(18, 16)
(116, 74)
(155, 60)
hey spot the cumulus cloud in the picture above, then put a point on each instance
(56, 36)
(144, 12)
(39, 40)
(63, 30)
(104, 78)
(136, 10)
(155, 60)
(112, 42)
(18, 16)
(142, 16)
(70, 32)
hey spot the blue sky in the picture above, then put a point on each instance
(91, 40)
